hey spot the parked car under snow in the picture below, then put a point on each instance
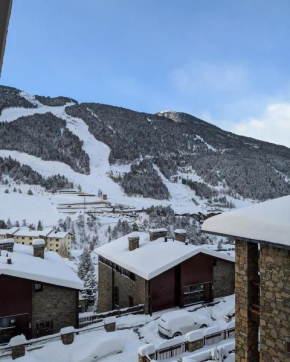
(177, 323)
(224, 309)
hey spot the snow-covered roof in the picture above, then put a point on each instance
(160, 230)
(267, 221)
(8, 231)
(7, 241)
(153, 257)
(38, 242)
(33, 233)
(52, 269)
(57, 234)
(180, 231)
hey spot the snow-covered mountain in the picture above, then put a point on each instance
(137, 159)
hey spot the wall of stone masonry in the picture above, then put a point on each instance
(137, 289)
(274, 304)
(246, 331)
(55, 304)
(223, 278)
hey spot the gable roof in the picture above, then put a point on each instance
(52, 269)
(9, 231)
(153, 257)
(267, 221)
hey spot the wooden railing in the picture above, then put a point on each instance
(169, 352)
(99, 317)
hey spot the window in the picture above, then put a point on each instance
(22, 237)
(22, 242)
(56, 250)
(56, 245)
(131, 301)
(30, 238)
(30, 243)
(116, 297)
(57, 239)
(38, 287)
(193, 294)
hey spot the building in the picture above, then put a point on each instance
(39, 291)
(57, 241)
(5, 10)
(160, 272)
(262, 234)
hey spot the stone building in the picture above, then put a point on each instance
(39, 291)
(160, 272)
(57, 241)
(262, 234)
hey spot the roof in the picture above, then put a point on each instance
(57, 234)
(8, 231)
(5, 10)
(153, 257)
(267, 221)
(32, 233)
(52, 269)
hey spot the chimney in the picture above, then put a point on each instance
(180, 235)
(157, 233)
(38, 248)
(133, 242)
(7, 244)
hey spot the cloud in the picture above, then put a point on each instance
(200, 76)
(272, 126)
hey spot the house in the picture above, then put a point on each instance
(262, 234)
(5, 10)
(160, 272)
(39, 291)
(57, 241)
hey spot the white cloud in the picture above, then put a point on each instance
(272, 126)
(200, 76)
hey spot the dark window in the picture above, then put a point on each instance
(116, 297)
(214, 262)
(56, 245)
(131, 302)
(193, 294)
(22, 237)
(38, 287)
(30, 238)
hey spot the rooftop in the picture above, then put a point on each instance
(153, 257)
(52, 269)
(8, 231)
(267, 221)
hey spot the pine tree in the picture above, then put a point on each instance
(85, 263)
(39, 226)
(9, 224)
(90, 285)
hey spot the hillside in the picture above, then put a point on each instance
(139, 159)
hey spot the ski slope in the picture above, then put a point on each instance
(98, 152)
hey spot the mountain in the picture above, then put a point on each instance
(165, 156)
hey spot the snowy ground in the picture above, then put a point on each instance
(133, 330)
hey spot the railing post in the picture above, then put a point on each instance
(18, 346)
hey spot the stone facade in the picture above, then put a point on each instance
(193, 346)
(18, 351)
(136, 289)
(223, 278)
(246, 330)
(54, 304)
(274, 304)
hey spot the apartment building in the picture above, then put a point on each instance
(262, 278)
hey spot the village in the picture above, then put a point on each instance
(180, 300)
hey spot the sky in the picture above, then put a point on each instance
(225, 61)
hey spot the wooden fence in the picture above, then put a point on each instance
(99, 317)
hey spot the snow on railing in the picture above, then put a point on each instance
(99, 317)
(191, 342)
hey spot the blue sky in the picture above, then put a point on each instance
(226, 61)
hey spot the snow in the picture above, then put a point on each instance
(105, 344)
(18, 340)
(110, 320)
(38, 242)
(8, 231)
(32, 233)
(67, 330)
(180, 231)
(160, 230)
(267, 221)
(52, 269)
(7, 241)
(194, 335)
(146, 350)
(152, 257)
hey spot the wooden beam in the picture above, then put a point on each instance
(5, 10)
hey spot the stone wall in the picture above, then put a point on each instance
(55, 304)
(246, 331)
(223, 278)
(137, 289)
(274, 304)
